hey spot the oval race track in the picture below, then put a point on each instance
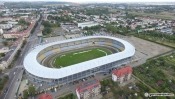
(32, 60)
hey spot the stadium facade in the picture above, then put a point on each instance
(39, 73)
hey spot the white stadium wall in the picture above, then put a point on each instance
(80, 70)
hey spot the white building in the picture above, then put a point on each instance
(12, 22)
(4, 49)
(6, 26)
(70, 28)
(87, 24)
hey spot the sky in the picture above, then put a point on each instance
(108, 1)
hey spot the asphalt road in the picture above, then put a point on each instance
(15, 74)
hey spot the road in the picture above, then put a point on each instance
(15, 79)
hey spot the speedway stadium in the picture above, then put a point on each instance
(74, 59)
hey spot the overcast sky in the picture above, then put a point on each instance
(85, 1)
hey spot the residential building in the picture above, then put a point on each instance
(6, 26)
(9, 56)
(5, 19)
(87, 24)
(70, 28)
(122, 74)
(88, 89)
(167, 31)
(12, 22)
(24, 33)
(45, 96)
(4, 49)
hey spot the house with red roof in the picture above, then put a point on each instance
(45, 96)
(88, 89)
(122, 74)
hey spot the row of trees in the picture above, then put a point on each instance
(93, 28)
(69, 96)
(156, 34)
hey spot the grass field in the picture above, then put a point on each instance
(162, 15)
(79, 56)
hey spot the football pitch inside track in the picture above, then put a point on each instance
(79, 56)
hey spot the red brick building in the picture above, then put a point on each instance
(122, 74)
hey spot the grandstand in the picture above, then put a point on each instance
(38, 70)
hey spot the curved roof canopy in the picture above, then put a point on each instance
(32, 66)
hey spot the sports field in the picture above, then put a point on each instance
(79, 56)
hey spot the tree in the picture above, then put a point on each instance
(138, 27)
(2, 54)
(5, 43)
(46, 24)
(68, 96)
(31, 90)
(6, 77)
(23, 22)
(25, 94)
(47, 30)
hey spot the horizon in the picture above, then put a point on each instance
(92, 1)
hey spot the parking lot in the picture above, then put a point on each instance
(145, 50)
(53, 39)
(148, 49)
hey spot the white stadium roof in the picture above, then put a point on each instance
(32, 66)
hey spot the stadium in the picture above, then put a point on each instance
(66, 61)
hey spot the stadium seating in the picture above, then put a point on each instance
(41, 57)
(80, 44)
(56, 50)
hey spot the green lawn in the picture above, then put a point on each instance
(79, 56)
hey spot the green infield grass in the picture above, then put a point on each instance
(79, 56)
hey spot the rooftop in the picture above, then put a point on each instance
(45, 96)
(35, 68)
(122, 71)
(88, 85)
